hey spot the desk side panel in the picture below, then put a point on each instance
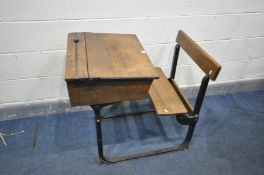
(85, 93)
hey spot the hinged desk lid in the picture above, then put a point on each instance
(107, 56)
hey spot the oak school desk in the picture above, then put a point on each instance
(103, 68)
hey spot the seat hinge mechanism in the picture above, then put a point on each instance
(187, 119)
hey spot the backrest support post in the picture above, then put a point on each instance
(175, 61)
(201, 94)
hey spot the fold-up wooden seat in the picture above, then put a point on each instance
(164, 97)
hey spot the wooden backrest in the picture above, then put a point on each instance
(199, 56)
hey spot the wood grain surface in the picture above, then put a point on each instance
(76, 60)
(105, 68)
(199, 56)
(117, 56)
(164, 98)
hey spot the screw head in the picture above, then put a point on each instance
(76, 40)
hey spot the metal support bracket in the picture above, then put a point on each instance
(187, 119)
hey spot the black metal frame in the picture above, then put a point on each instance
(189, 119)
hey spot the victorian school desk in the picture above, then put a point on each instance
(102, 69)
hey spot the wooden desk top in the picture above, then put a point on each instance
(107, 56)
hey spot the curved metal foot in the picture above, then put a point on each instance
(143, 154)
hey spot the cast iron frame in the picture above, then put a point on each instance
(189, 119)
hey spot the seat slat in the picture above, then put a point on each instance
(164, 98)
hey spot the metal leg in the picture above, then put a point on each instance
(189, 135)
(104, 160)
(98, 132)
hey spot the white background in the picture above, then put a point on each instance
(33, 38)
